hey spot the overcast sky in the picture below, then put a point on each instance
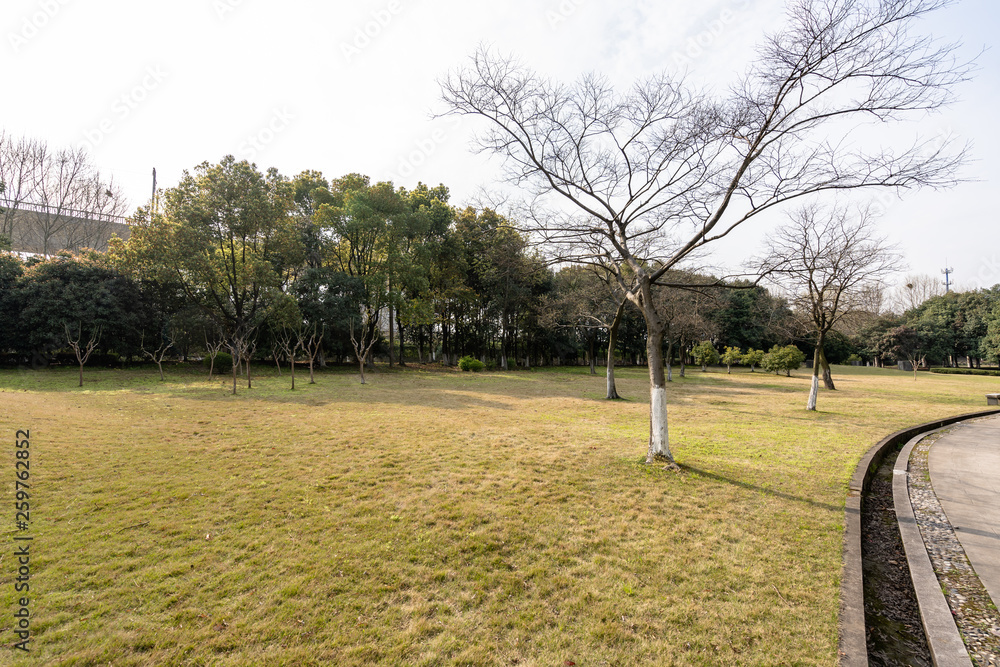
(351, 87)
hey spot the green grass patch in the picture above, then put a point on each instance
(442, 518)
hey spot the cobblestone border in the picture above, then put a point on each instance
(977, 619)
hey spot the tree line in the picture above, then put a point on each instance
(259, 265)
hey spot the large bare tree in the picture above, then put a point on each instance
(830, 261)
(637, 181)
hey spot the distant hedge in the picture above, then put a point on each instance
(965, 371)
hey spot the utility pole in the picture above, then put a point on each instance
(947, 283)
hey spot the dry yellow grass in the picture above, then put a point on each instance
(441, 518)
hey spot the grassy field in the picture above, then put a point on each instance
(433, 517)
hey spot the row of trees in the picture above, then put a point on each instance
(53, 199)
(250, 258)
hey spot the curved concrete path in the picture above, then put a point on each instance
(965, 472)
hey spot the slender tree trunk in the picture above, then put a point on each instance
(277, 361)
(593, 361)
(670, 360)
(399, 326)
(81, 375)
(361, 365)
(612, 342)
(392, 337)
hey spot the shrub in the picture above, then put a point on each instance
(468, 363)
(223, 362)
(965, 371)
(753, 358)
(704, 353)
(853, 359)
(786, 359)
(732, 356)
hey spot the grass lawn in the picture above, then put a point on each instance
(433, 517)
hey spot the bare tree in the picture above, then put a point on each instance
(829, 260)
(159, 353)
(212, 347)
(290, 340)
(20, 171)
(313, 345)
(55, 200)
(590, 301)
(914, 290)
(82, 350)
(636, 182)
(366, 339)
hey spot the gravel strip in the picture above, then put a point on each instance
(977, 618)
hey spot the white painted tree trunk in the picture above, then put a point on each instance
(813, 393)
(659, 440)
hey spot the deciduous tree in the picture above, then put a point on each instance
(637, 182)
(828, 260)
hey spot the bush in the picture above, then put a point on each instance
(753, 358)
(705, 354)
(965, 371)
(853, 359)
(732, 356)
(468, 363)
(223, 362)
(786, 359)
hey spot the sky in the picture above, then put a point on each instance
(353, 87)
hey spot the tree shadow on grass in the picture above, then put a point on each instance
(759, 489)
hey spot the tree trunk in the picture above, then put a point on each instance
(361, 365)
(235, 360)
(612, 342)
(392, 337)
(670, 360)
(593, 362)
(81, 374)
(399, 326)
(814, 389)
(659, 441)
(277, 362)
(825, 365)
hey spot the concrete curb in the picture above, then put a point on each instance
(943, 640)
(852, 645)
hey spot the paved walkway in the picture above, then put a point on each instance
(965, 471)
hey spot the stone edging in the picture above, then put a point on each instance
(852, 647)
(945, 644)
